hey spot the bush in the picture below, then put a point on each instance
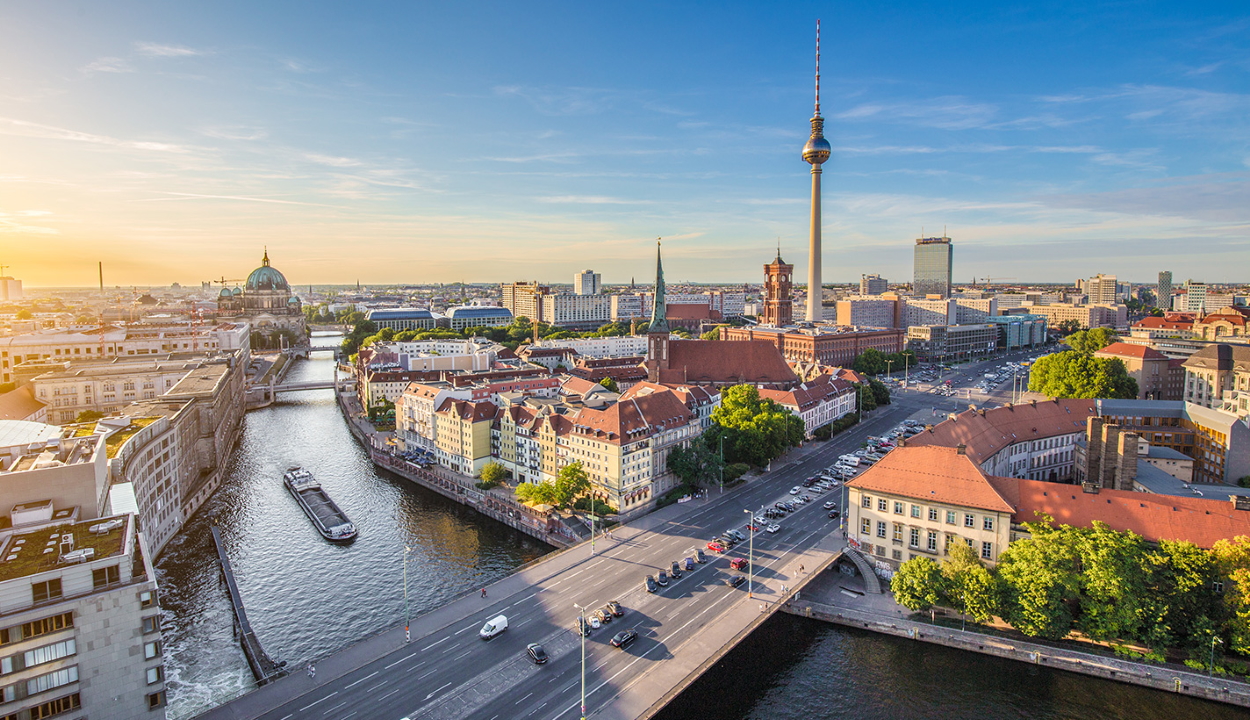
(673, 496)
(486, 485)
(596, 507)
(734, 472)
(1244, 481)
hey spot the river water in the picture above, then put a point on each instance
(307, 598)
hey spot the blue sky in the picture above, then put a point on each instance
(422, 142)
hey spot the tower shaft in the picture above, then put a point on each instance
(815, 295)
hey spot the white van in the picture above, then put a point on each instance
(851, 460)
(493, 627)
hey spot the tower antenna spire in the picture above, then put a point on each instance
(818, 66)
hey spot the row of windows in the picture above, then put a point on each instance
(913, 538)
(916, 511)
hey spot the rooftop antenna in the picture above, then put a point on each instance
(817, 66)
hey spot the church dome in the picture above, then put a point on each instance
(225, 293)
(236, 292)
(267, 278)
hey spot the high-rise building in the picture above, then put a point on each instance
(815, 152)
(872, 285)
(1163, 293)
(932, 267)
(778, 308)
(1102, 289)
(10, 288)
(523, 298)
(586, 283)
(1195, 297)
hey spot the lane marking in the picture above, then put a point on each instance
(421, 677)
(336, 707)
(389, 694)
(375, 687)
(427, 647)
(375, 672)
(327, 697)
(427, 697)
(388, 667)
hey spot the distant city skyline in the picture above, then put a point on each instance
(492, 143)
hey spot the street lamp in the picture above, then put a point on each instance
(581, 630)
(750, 553)
(407, 629)
(720, 469)
(1211, 663)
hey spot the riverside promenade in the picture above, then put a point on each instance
(842, 599)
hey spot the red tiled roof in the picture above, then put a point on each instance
(1140, 352)
(467, 410)
(1202, 521)
(937, 474)
(1162, 323)
(986, 432)
(726, 361)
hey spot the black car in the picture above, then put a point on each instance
(604, 615)
(582, 626)
(623, 638)
(615, 608)
(833, 514)
(662, 578)
(536, 653)
(676, 570)
(699, 557)
(735, 580)
(650, 585)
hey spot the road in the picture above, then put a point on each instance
(451, 673)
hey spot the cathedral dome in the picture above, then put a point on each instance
(225, 293)
(267, 278)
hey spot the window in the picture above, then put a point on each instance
(47, 590)
(898, 532)
(915, 511)
(896, 554)
(881, 529)
(933, 515)
(883, 506)
(52, 680)
(48, 653)
(155, 675)
(970, 520)
(47, 625)
(987, 550)
(914, 537)
(151, 624)
(151, 649)
(898, 508)
(1217, 587)
(56, 707)
(931, 541)
(950, 517)
(105, 576)
(865, 527)
(987, 523)
(867, 502)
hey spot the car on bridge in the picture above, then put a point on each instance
(735, 580)
(623, 638)
(536, 653)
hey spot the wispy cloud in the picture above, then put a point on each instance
(559, 101)
(8, 225)
(22, 128)
(235, 132)
(241, 198)
(1206, 69)
(331, 160)
(587, 200)
(948, 113)
(108, 65)
(150, 49)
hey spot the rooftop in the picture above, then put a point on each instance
(37, 551)
(938, 474)
(1139, 352)
(986, 432)
(116, 440)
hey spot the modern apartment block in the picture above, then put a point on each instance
(109, 386)
(1102, 289)
(933, 263)
(575, 311)
(1163, 291)
(940, 343)
(870, 312)
(523, 298)
(873, 285)
(587, 283)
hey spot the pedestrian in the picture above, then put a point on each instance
(312, 671)
(802, 569)
(761, 608)
(483, 592)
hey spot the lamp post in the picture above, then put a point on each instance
(906, 365)
(889, 364)
(407, 628)
(720, 468)
(581, 630)
(1211, 662)
(750, 553)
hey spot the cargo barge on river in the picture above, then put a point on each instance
(329, 520)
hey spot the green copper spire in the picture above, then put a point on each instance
(659, 312)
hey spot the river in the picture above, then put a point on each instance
(307, 598)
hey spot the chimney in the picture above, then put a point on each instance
(1033, 403)
(1093, 449)
(1010, 406)
(1091, 488)
(1110, 458)
(1126, 454)
(961, 449)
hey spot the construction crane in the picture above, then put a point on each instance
(2, 267)
(224, 281)
(989, 281)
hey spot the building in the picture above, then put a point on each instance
(941, 343)
(829, 345)
(815, 152)
(1218, 442)
(1158, 376)
(107, 387)
(932, 265)
(462, 434)
(10, 288)
(870, 312)
(1163, 291)
(1085, 316)
(523, 299)
(1228, 324)
(1193, 298)
(429, 355)
(1218, 377)
(626, 307)
(20, 404)
(778, 307)
(79, 616)
(928, 311)
(604, 347)
(1019, 331)
(401, 319)
(469, 316)
(970, 310)
(586, 312)
(266, 304)
(817, 402)
(1102, 289)
(873, 285)
(586, 283)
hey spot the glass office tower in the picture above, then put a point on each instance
(933, 267)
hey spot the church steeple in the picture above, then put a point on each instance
(659, 310)
(265, 260)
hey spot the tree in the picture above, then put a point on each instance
(89, 416)
(867, 399)
(754, 430)
(1179, 596)
(493, 472)
(610, 384)
(1073, 374)
(1067, 327)
(1232, 560)
(1040, 580)
(968, 584)
(571, 483)
(713, 334)
(698, 464)
(869, 362)
(918, 584)
(880, 393)
(24, 314)
(542, 493)
(1112, 581)
(1090, 341)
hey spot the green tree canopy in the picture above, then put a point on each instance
(1073, 374)
(541, 493)
(493, 472)
(571, 483)
(1090, 341)
(610, 384)
(869, 362)
(755, 430)
(698, 464)
(1041, 580)
(918, 584)
(968, 584)
(1232, 560)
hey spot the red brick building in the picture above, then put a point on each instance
(823, 345)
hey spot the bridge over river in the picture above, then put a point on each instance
(446, 671)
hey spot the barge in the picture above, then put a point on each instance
(329, 520)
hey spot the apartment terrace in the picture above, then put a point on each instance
(37, 551)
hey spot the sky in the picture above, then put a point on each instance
(485, 142)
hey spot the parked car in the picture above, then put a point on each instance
(774, 528)
(699, 557)
(614, 607)
(536, 653)
(715, 547)
(662, 578)
(738, 564)
(689, 564)
(623, 638)
(583, 626)
(675, 570)
(650, 585)
(795, 490)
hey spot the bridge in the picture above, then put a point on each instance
(446, 671)
(259, 396)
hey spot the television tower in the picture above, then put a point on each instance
(815, 152)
